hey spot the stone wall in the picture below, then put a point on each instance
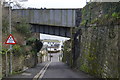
(20, 63)
(78, 17)
(96, 42)
(67, 54)
(95, 10)
(100, 51)
(99, 43)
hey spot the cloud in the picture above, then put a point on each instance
(55, 3)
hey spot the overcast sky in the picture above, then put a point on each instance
(44, 36)
(55, 3)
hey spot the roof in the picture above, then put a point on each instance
(50, 40)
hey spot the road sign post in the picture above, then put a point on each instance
(6, 63)
(11, 59)
(10, 40)
(10, 33)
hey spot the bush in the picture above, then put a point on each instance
(5, 25)
(36, 44)
(23, 28)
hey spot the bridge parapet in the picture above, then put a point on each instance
(55, 17)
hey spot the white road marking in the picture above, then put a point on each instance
(42, 72)
(26, 74)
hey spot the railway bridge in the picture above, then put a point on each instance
(50, 21)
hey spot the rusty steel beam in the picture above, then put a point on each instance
(51, 30)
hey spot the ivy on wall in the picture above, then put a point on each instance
(99, 40)
(101, 13)
(67, 56)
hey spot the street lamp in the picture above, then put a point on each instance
(11, 31)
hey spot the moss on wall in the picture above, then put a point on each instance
(67, 56)
(99, 43)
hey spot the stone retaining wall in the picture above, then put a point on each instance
(99, 51)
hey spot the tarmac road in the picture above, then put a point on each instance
(57, 69)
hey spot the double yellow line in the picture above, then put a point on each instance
(42, 72)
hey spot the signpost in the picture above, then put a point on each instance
(10, 33)
(10, 40)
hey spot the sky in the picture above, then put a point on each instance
(45, 36)
(55, 3)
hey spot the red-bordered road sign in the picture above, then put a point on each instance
(10, 40)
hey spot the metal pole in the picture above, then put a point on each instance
(10, 60)
(10, 16)
(0, 39)
(6, 65)
(10, 33)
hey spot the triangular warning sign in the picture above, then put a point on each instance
(10, 40)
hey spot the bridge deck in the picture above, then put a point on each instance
(56, 17)
(50, 21)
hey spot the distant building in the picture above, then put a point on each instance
(53, 45)
(43, 54)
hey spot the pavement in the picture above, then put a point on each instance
(50, 70)
(27, 74)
